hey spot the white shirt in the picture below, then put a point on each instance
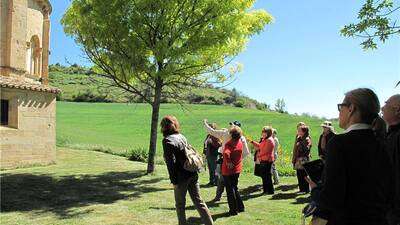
(224, 136)
(358, 126)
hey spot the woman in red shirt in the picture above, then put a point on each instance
(231, 168)
(265, 157)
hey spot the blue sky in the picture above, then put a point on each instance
(301, 57)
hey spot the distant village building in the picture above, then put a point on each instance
(28, 104)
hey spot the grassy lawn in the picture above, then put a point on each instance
(121, 127)
(87, 187)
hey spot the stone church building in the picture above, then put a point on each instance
(28, 104)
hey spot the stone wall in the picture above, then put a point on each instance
(3, 30)
(30, 138)
(18, 35)
(17, 27)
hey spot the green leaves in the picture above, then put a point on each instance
(377, 22)
(186, 43)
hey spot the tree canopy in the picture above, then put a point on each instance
(155, 48)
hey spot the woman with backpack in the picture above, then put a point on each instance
(264, 158)
(231, 169)
(302, 155)
(174, 146)
(357, 184)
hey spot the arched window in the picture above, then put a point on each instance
(34, 55)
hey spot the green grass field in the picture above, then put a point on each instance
(120, 127)
(87, 187)
(93, 188)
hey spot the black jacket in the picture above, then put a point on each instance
(174, 156)
(357, 184)
(322, 152)
(393, 148)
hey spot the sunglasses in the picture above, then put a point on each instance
(341, 105)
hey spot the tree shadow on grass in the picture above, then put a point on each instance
(26, 192)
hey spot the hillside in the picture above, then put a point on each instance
(78, 84)
(120, 128)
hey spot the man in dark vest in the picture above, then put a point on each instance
(391, 114)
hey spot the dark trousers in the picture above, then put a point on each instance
(234, 200)
(180, 190)
(212, 165)
(268, 187)
(303, 184)
(220, 188)
(275, 174)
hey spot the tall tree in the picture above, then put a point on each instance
(162, 46)
(280, 105)
(377, 21)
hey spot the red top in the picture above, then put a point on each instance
(265, 149)
(232, 154)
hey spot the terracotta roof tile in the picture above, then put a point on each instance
(25, 84)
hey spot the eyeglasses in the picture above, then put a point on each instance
(341, 105)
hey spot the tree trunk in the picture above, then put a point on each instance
(154, 125)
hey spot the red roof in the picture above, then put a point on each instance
(25, 84)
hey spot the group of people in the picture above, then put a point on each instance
(361, 179)
(361, 175)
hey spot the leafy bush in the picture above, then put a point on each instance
(215, 101)
(229, 100)
(195, 99)
(137, 154)
(59, 97)
(239, 103)
(88, 96)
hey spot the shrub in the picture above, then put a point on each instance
(229, 100)
(195, 99)
(239, 104)
(59, 97)
(89, 96)
(215, 101)
(137, 154)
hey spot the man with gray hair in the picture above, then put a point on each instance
(391, 114)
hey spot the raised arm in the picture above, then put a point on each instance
(246, 151)
(255, 144)
(221, 134)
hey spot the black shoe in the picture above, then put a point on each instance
(216, 199)
(232, 213)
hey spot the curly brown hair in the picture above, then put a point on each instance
(169, 125)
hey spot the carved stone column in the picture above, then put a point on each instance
(45, 48)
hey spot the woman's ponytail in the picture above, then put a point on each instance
(379, 128)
